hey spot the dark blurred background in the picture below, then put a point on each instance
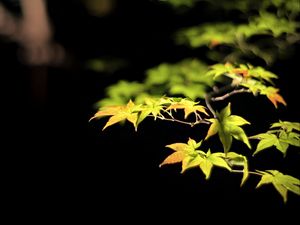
(62, 164)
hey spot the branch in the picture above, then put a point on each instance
(220, 98)
(215, 91)
(181, 121)
(207, 102)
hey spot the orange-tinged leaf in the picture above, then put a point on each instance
(242, 72)
(175, 157)
(276, 98)
(214, 42)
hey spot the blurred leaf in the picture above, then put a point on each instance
(106, 65)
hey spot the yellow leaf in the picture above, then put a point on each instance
(108, 111)
(114, 119)
(133, 119)
(190, 161)
(206, 167)
(188, 107)
(282, 190)
(213, 129)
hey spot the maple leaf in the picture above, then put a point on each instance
(188, 106)
(190, 157)
(280, 138)
(282, 183)
(273, 96)
(152, 106)
(228, 127)
(213, 159)
(185, 153)
(119, 113)
(219, 69)
(287, 125)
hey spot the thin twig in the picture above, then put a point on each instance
(181, 121)
(207, 102)
(220, 98)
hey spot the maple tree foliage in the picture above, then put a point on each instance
(191, 86)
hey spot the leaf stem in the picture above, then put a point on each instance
(250, 172)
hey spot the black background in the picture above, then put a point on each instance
(62, 165)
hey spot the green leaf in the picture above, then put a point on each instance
(239, 134)
(265, 179)
(206, 167)
(281, 189)
(225, 137)
(280, 138)
(227, 126)
(267, 140)
(281, 182)
(216, 160)
(213, 129)
(237, 120)
(219, 69)
(119, 113)
(191, 161)
(245, 170)
(286, 125)
(186, 154)
(188, 106)
(282, 146)
(226, 112)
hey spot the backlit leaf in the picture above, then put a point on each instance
(267, 140)
(281, 189)
(245, 170)
(276, 98)
(190, 161)
(213, 129)
(280, 138)
(188, 107)
(176, 157)
(218, 161)
(228, 126)
(206, 167)
(286, 125)
(282, 183)
(119, 113)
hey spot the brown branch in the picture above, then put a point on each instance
(220, 98)
(207, 102)
(181, 121)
